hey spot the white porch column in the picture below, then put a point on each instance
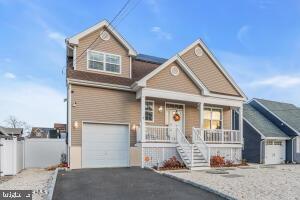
(143, 117)
(241, 123)
(201, 113)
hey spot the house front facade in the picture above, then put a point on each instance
(130, 109)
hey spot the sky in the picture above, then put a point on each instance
(257, 42)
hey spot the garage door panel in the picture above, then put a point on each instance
(105, 145)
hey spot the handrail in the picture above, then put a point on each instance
(201, 144)
(185, 145)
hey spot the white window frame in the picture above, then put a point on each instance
(104, 62)
(216, 108)
(298, 144)
(153, 105)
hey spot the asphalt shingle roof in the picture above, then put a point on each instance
(11, 131)
(261, 123)
(287, 112)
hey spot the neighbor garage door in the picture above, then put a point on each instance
(275, 152)
(105, 145)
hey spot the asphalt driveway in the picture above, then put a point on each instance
(123, 183)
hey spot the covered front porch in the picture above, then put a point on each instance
(192, 124)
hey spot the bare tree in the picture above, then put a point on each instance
(13, 122)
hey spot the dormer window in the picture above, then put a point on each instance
(100, 61)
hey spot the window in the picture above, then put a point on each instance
(298, 144)
(212, 118)
(104, 62)
(149, 111)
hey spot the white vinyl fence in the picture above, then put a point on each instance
(16, 155)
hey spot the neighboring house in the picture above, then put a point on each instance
(61, 130)
(40, 132)
(271, 132)
(126, 108)
(15, 132)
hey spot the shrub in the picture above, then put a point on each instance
(229, 163)
(217, 161)
(172, 163)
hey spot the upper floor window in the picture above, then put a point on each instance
(213, 118)
(104, 62)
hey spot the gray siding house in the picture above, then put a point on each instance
(271, 132)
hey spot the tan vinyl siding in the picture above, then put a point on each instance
(209, 73)
(192, 119)
(227, 118)
(164, 80)
(103, 105)
(112, 46)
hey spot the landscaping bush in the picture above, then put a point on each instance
(217, 161)
(172, 163)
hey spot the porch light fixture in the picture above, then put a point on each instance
(133, 127)
(160, 109)
(76, 125)
(74, 104)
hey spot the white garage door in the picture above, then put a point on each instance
(275, 152)
(105, 145)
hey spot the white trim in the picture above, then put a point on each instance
(130, 67)
(69, 124)
(75, 39)
(225, 145)
(275, 115)
(210, 54)
(297, 144)
(183, 66)
(153, 111)
(179, 96)
(100, 85)
(74, 57)
(157, 144)
(277, 138)
(112, 123)
(183, 105)
(104, 62)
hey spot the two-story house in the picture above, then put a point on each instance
(126, 108)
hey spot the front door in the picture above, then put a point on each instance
(171, 122)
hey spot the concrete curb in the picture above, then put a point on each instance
(52, 185)
(199, 186)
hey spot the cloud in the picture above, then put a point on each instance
(9, 75)
(58, 38)
(242, 34)
(161, 34)
(154, 6)
(34, 103)
(263, 4)
(280, 81)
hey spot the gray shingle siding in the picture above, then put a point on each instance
(252, 141)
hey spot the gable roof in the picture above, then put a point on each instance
(216, 62)
(11, 131)
(75, 39)
(184, 67)
(286, 112)
(261, 124)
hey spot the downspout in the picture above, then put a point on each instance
(293, 150)
(261, 155)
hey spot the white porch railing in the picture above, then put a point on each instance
(157, 134)
(217, 136)
(202, 146)
(187, 147)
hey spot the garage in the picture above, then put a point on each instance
(274, 151)
(105, 145)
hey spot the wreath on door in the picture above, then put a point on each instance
(176, 117)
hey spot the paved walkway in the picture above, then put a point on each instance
(123, 184)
